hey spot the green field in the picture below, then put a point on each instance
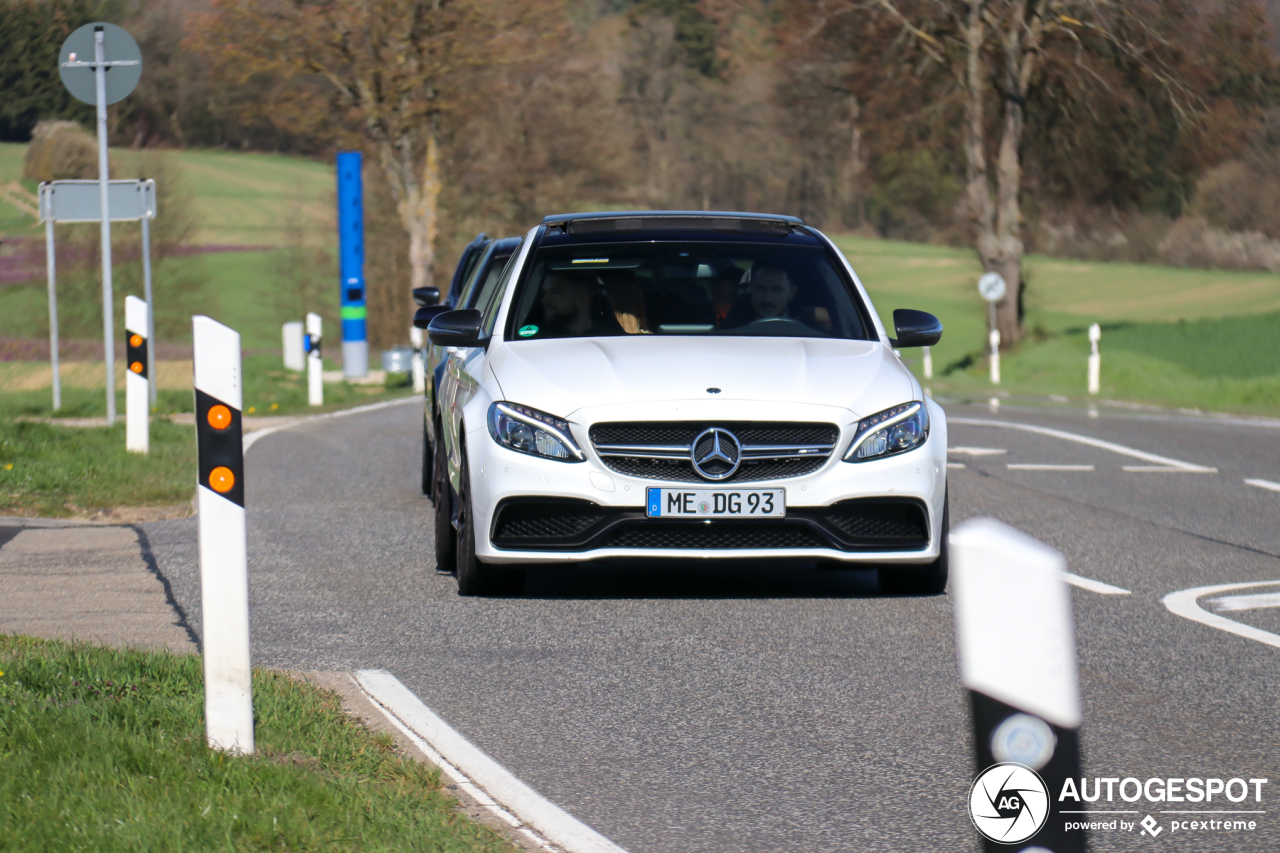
(1206, 339)
(240, 199)
(1202, 339)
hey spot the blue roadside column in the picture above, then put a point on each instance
(355, 338)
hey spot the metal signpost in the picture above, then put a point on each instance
(355, 340)
(80, 201)
(86, 57)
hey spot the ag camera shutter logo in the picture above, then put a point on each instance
(1008, 803)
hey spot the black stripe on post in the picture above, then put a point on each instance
(220, 448)
(135, 355)
(1055, 769)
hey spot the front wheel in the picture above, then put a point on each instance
(930, 579)
(446, 540)
(475, 577)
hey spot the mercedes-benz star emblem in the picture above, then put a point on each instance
(715, 454)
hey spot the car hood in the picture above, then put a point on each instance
(565, 376)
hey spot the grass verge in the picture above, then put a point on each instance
(57, 471)
(104, 750)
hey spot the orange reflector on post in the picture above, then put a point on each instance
(221, 479)
(135, 340)
(220, 418)
(136, 367)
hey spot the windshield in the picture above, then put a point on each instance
(685, 289)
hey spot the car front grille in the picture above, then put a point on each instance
(662, 450)
(563, 524)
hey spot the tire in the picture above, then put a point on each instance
(428, 466)
(475, 577)
(446, 539)
(930, 579)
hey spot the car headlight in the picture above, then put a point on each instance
(892, 431)
(527, 430)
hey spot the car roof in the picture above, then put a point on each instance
(599, 223)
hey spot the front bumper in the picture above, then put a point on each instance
(839, 512)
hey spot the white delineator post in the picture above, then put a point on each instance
(295, 352)
(315, 367)
(419, 367)
(1017, 649)
(928, 364)
(994, 339)
(108, 300)
(1095, 360)
(224, 565)
(137, 375)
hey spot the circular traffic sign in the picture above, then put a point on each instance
(117, 46)
(992, 286)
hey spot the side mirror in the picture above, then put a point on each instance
(915, 328)
(425, 296)
(464, 328)
(423, 316)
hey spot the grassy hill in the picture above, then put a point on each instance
(1205, 339)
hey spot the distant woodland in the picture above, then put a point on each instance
(1141, 130)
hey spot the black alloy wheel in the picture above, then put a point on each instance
(475, 577)
(446, 540)
(929, 579)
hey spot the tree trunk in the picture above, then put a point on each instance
(417, 197)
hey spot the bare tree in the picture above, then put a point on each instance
(400, 69)
(993, 53)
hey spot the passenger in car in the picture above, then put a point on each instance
(570, 307)
(626, 297)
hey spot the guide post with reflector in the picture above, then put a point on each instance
(315, 367)
(224, 565)
(1017, 651)
(418, 364)
(137, 375)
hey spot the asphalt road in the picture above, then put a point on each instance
(726, 709)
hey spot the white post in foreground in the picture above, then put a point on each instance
(1017, 653)
(1095, 360)
(928, 364)
(994, 340)
(295, 352)
(137, 376)
(224, 565)
(419, 367)
(315, 367)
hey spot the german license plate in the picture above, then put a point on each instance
(716, 503)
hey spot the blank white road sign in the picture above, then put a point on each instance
(78, 201)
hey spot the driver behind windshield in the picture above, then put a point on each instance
(771, 292)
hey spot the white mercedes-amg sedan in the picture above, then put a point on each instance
(684, 385)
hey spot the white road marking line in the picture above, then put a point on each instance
(1028, 466)
(1164, 469)
(1091, 442)
(251, 438)
(1184, 603)
(438, 740)
(977, 451)
(955, 465)
(1095, 586)
(1264, 484)
(1256, 601)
